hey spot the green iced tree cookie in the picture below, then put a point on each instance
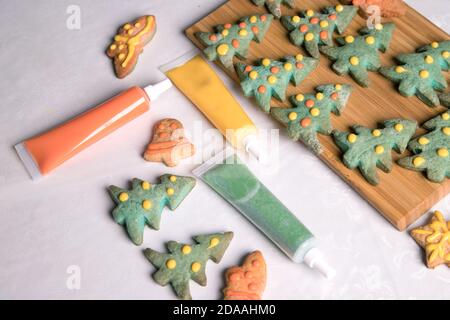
(144, 203)
(234, 39)
(271, 77)
(431, 150)
(311, 114)
(420, 73)
(274, 6)
(186, 262)
(368, 149)
(358, 54)
(314, 29)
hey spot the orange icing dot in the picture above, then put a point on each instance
(213, 37)
(235, 43)
(323, 35)
(303, 28)
(255, 29)
(274, 69)
(332, 17)
(242, 24)
(309, 103)
(299, 65)
(262, 89)
(227, 26)
(305, 122)
(248, 68)
(334, 96)
(314, 20)
(263, 18)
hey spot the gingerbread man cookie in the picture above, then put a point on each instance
(169, 145)
(129, 43)
(387, 8)
(248, 281)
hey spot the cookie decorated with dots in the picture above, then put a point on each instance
(431, 150)
(246, 282)
(420, 73)
(271, 78)
(313, 29)
(232, 40)
(369, 149)
(311, 114)
(144, 203)
(129, 43)
(356, 55)
(186, 262)
(274, 6)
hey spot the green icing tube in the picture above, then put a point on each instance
(233, 180)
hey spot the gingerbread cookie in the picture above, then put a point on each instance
(185, 262)
(359, 54)
(143, 204)
(129, 43)
(271, 77)
(248, 281)
(274, 6)
(435, 239)
(231, 40)
(431, 150)
(387, 8)
(311, 114)
(314, 29)
(169, 145)
(368, 149)
(420, 73)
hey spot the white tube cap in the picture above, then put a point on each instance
(154, 91)
(315, 259)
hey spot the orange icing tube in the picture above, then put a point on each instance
(193, 76)
(47, 151)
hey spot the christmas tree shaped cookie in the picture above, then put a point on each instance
(313, 29)
(431, 150)
(311, 114)
(435, 239)
(420, 73)
(234, 39)
(143, 204)
(271, 77)
(185, 262)
(274, 6)
(359, 54)
(368, 149)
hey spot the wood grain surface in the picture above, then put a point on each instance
(402, 195)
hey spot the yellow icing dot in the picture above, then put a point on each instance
(429, 59)
(292, 116)
(295, 19)
(243, 33)
(379, 149)
(349, 39)
(123, 197)
(424, 74)
(376, 133)
(222, 49)
(339, 8)
(121, 47)
(442, 152)
(354, 61)
(446, 131)
(127, 27)
(130, 32)
(319, 96)
(253, 75)
(112, 47)
(314, 112)
(398, 127)
(253, 19)
(434, 45)
(338, 87)
(186, 249)
(309, 36)
(299, 57)
(445, 116)
(170, 191)
(299, 97)
(196, 266)
(265, 62)
(171, 264)
(418, 161)
(272, 79)
(423, 141)
(352, 138)
(121, 56)
(324, 24)
(445, 54)
(147, 204)
(379, 26)
(310, 13)
(146, 185)
(400, 69)
(225, 32)
(173, 178)
(370, 40)
(137, 25)
(288, 66)
(213, 242)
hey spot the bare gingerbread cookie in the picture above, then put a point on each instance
(169, 145)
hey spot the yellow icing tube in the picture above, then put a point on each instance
(196, 79)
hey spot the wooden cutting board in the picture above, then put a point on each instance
(402, 195)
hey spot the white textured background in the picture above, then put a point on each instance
(49, 74)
